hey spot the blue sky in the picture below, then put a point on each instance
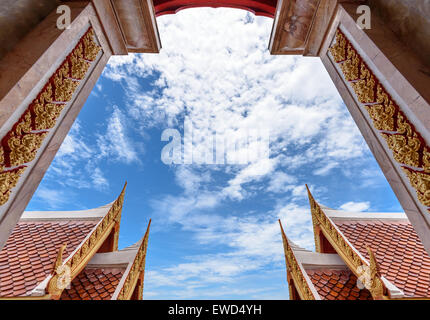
(214, 233)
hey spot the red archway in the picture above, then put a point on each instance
(265, 8)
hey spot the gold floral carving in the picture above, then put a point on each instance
(408, 147)
(91, 244)
(420, 181)
(426, 159)
(351, 66)
(294, 268)
(351, 257)
(79, 65)
(23, 148)
(137, 268)
(20, 145)
(8, 180)
(405, 149)
(91, 48)
(64, 86)
(365, 87)
(338, 49)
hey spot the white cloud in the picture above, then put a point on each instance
(325, 170)
(99, 181)
(355, 206)
(225, 82)
(228, 82)
(51, 198)
(280, 182)
(78, 161)
(253, 172)
(189, 179)
(115, 143)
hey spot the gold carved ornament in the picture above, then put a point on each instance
(20, 145)
(350, 256)
(89, 247)
(377, 287)
(295, 270)
(408, 147)
(136, 271)
(316, 234)
(53, 286)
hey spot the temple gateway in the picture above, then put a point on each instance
(382, 74)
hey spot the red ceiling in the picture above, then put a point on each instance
(258, 7)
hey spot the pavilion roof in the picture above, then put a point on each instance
(399, 252)
(35, 249)
(31, 249)
(110, 275)
(94, 284)
(321, 276)
(385, 240)
(337, 284)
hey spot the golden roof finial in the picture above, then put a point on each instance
(59, 260)
(374, 266)
(377, 287)
(121, 195)
(147, 228)
(312, 201)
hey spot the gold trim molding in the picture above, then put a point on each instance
(293, 267)
(408, 147)
(80, 257)
(20, 145)
(137, 269)
(348, 254)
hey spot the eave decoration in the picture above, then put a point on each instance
(136, 271)
(407, 145)
(80, 257)
(354, 261)
(296, 272)
(20, 144)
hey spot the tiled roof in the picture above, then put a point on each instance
(93, 284)
(400, 254)
(29, 253)
(332, 284)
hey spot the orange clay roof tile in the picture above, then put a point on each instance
(88, 285)
(399, 252)
(29, 253)
(342, 285)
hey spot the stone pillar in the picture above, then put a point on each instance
(386, 89)
(45, 80)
